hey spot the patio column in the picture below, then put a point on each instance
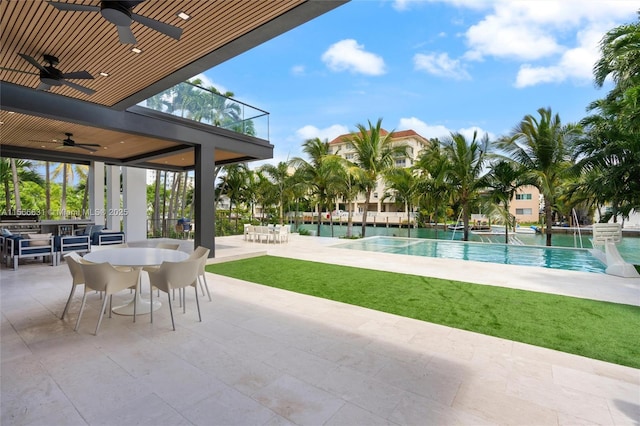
(113, 198)
(96, 192)
(204, 203)
(134, 196)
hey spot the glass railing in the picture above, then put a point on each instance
(197, 103)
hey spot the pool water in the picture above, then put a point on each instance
(546, 257)
(629, 247)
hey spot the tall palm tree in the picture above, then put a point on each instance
(349, 186)
(542, 145)
(12, 172)
(402, 186)
(375, 153)
(232, 185)
(279, 174)
(505, 178)
(432, 165)
(316, 172)
(465, 171)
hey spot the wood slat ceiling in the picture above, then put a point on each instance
(86, 41)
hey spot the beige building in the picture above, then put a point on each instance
(525, 206)
(385, 208)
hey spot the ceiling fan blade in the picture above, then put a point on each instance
(83, 89)
(85, 147)
(126, 35)
(32, 62)
(78, 75)
(87, 144)
(24, 72)
(43, 86)
(74, 7)
(166, 29)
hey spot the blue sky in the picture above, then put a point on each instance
(434, 66)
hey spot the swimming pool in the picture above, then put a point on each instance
(546, 257)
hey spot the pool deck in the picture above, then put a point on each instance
(265, 356)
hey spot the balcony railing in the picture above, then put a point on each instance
(197, 103)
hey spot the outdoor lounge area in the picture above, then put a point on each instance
(268, 356)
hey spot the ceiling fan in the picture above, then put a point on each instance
(70, 143)
(51, 76)
(120, 14)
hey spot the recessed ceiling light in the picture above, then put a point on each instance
(121, 141)
(104, 74)
(136, 50)
(183, 15)
(105, 147)
(1, 123)
(12, 112)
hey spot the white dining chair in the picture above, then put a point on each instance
(168, 246)
(74, 260)
(202, 254)
(176, 276)
(105, 277)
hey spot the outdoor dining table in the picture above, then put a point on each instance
(136, 257)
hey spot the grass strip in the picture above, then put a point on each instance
(600, 330)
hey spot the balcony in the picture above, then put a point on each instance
(193, 102)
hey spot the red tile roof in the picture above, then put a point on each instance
(383, 132)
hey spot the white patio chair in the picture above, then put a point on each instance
(105, 277)
(202, 254)
(176, 276)
(74, 260)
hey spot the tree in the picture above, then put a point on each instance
(375, 153)
(504, 180)
(319, 172)
(402, 186)
(464, 171)
(542, 146)
(12, 172)
(620, 60)
(434, 190)
(232, 185)
(279, 175)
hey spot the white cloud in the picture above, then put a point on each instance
(438, 130)
(575, 64)
(441, 65)
(298, 70)
(348, 55)
(329, 133)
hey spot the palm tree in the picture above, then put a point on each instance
(542, 146)
(465, 171)
(432, 165)
(279, 175)
(505, 178)
(620, 60)
(402, 186)
(12, 172)
(316, 171)
(234, 182)
(349, 186)
(375, 153)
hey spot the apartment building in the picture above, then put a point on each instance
(415, 143)
(526, 204)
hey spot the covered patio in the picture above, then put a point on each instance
(268, 356)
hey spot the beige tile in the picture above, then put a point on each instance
(439, 385)
(298, 401)
(362, 390)
(350, 415)
(417, 410)
(498, 407)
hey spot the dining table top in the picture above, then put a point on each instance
(136, 256)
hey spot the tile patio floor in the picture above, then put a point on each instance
(264, 356)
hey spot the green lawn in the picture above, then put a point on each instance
(600, 330)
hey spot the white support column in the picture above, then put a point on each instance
(113, 219)
(134, 182)
(96, 192)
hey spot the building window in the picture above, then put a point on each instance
(523, 212)
(349, 156)
(400, 163)
(523, 196)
